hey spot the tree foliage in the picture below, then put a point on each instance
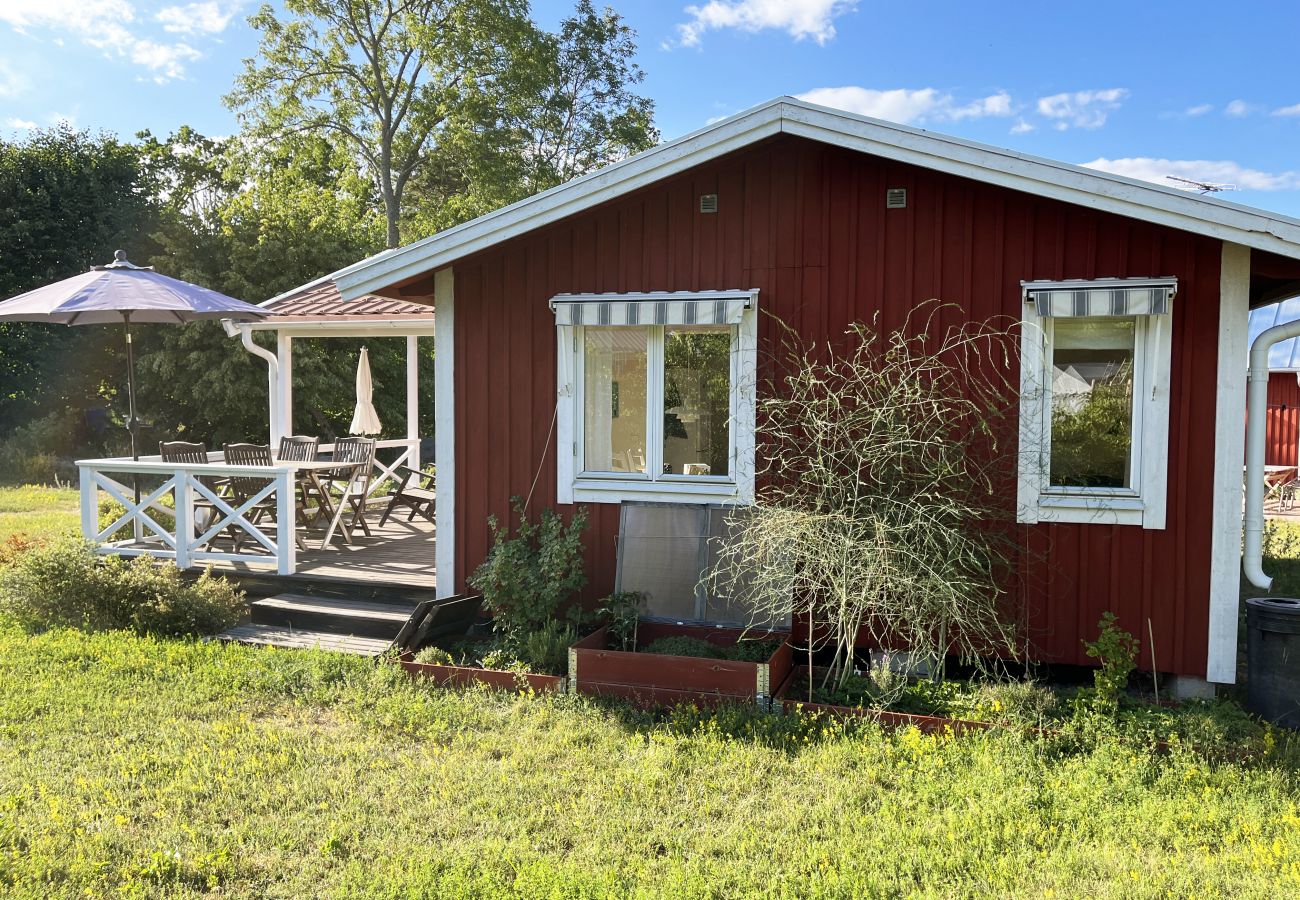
(383, 76)
(68, 199)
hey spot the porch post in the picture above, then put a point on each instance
(284, 347)
(444, 429)
(413, 398)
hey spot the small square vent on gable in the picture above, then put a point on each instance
(896, 198)
(708, 203)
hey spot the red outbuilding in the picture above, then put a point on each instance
(555, 321)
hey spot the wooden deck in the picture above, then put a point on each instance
(400, 553)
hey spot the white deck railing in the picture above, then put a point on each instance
(183, 529)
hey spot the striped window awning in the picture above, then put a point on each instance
(1101, 297)
(695, 308)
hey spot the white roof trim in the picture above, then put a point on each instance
(1208, 216)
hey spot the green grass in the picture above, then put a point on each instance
(38, 511)
(141, 767)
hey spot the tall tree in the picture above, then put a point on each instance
(254, 219)
(383, 75)
(573, 110)
(565, 106)
(68, 199)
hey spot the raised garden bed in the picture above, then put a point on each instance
(462, 676)
(887, 718)
(659, 679)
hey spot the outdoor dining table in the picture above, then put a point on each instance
(311, 471)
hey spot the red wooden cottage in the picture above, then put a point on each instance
(555, 320)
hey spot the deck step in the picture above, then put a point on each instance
(332, 615)
(292, 638)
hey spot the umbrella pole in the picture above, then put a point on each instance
(132, 421)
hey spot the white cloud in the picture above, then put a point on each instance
(1220, 171)
(104, 24)
(1199, 110)
(1081, 109)
(207, 17)
(1022, 127)
(23, 124)
(1287, 110)
(12, 82)
(1239, 108)
(798, 18)
(905, 106)
(166, 61)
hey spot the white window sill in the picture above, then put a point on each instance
(613, 490)
(1079, 509)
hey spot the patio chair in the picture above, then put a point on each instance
(298, 448)
(416, 492)
(185, 452)
(244, 487)
(302, 448)
(355, 480)
(182, 452)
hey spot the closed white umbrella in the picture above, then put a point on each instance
(365, 420)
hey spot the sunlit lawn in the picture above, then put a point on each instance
(145, 767)
(37, 511)
(141, 767)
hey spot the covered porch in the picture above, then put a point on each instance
(187, 514)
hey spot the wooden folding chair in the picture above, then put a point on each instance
(415, 492)
(356, 489)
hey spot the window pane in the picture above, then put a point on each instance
(615, 399)
(1092, 402)
(697, 397)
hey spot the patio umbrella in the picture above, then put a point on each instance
(365, 420)
(125, 293)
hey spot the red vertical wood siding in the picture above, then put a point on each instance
(1283, 429)
(807, 225)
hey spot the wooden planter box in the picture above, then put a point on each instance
(887, 718)
(461, 676)
(653, 679)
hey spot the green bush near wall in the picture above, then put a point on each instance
(64, 582)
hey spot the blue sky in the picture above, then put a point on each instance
(1146, 89)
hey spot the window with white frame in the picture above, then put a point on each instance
(1094, 419)
(656, 396)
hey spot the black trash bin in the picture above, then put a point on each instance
(1273, 642)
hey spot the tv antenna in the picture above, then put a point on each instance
(1204, 187)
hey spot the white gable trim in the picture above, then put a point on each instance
(1034, 175)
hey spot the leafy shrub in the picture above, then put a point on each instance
(29, 454)
(546, 650)
(1116, 650)
(14, 547)
(1281, 539)
(66, 583)
(526, 578)
(434, 656)
(621, 612)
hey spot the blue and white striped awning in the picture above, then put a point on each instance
(1101, 297)
(660, 308)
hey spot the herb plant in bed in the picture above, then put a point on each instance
(527, 581)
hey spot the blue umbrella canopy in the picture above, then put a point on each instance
(121, 292)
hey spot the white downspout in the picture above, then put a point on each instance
(1256, 431)
(272, 372)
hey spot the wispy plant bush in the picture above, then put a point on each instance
(885, 506)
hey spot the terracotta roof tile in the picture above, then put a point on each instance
(324, 301)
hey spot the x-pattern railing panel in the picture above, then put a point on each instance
(135, 512)
(187, 485)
